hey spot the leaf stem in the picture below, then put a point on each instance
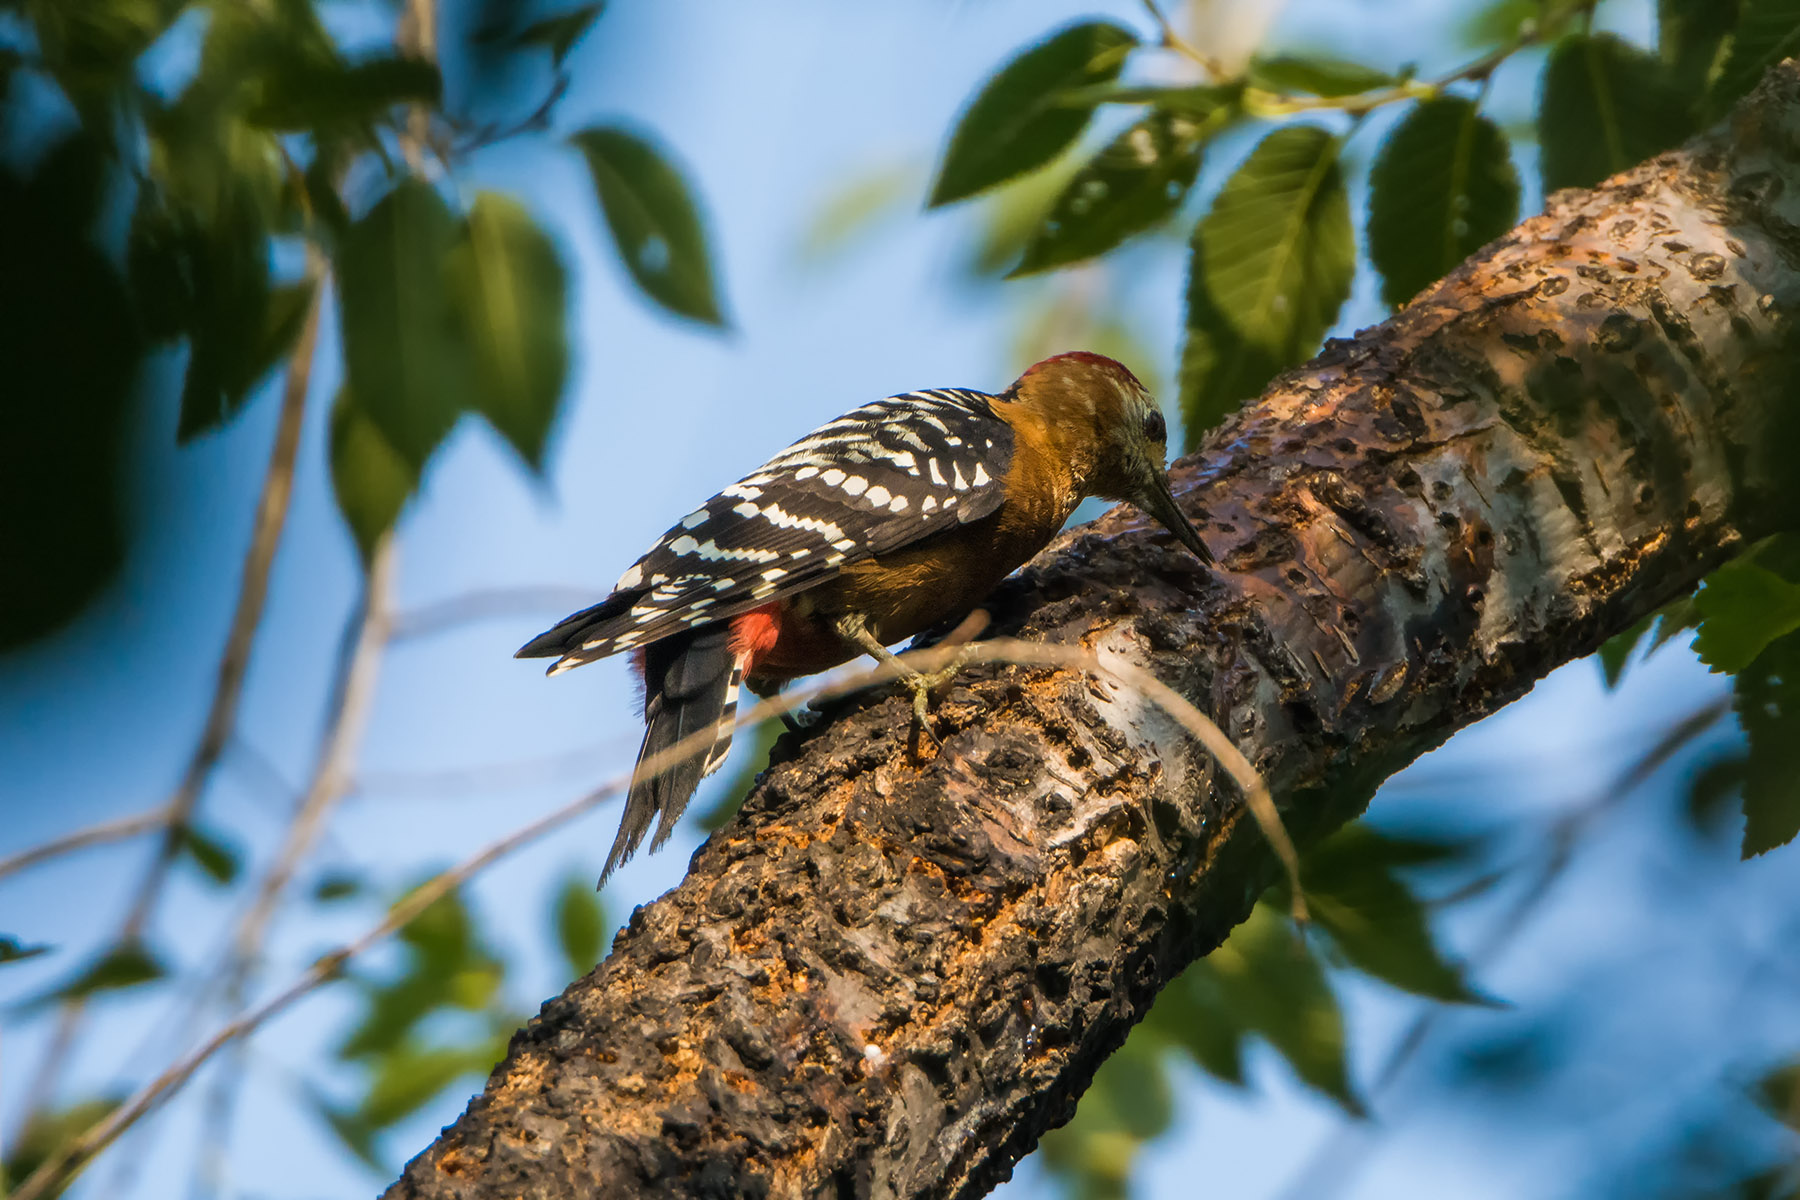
(1171, 39)
(1273, 104)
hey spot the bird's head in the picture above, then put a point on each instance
(1114, 432)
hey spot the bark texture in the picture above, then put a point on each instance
(888, 977)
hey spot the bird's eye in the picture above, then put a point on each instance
(1155, 428)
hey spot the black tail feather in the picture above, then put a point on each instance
(569, 633)
(687, 678)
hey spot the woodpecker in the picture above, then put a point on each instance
(878, 525)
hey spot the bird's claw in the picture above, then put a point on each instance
(921, 686)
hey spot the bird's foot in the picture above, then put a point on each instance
(923, 685)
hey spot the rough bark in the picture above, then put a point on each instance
(888, 977)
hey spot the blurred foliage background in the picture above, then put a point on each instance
(292, 285)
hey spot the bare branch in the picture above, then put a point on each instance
(443, 615)
(116, 830)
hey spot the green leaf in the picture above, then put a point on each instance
(1129, 1102)
(1779, 1092)
(580, 924)
(1013, 214)
(1269, 983)
(559, 32)
(1019, 120)
(1137, 181)
(46, 1132)
(445, 968)
(283, 319)
(312, 94)
(1358, 901)
(655, 224)
(1768, 32)
(13, 950)
(217, 860)
(127, 966)
(1767, 699)
(1615, 652)
(855, 209)
(355, 1132)
(370, 478)
(408, 1078)
(1691, 35)
(1606, 106)
(337, 885)
(1195, 100)
(404, 357)
(1743, 607)
(198, 261)
(1499, 21)
(1673, 619)
(1316, 76)
(507, 286)
(1272, 263)
(443, 935)
(91, 47)
(1442, 187)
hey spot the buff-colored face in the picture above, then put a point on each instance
(1124, 428)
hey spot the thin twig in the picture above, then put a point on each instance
(116, 830)
(1172, 40)
(59, 1168)
(1531, 33)
(221, 717)
(417, 38)
(443, 615)
(348, 709)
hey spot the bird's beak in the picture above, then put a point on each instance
(1159, 502)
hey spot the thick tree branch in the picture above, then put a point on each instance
(888, 977)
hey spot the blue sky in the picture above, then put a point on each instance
(772, 108)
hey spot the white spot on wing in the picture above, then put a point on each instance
(981, 475)
(630, 579)
(695, 519)
(879, 496)
(855, 485)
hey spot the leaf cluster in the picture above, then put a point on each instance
(281, 162)
(1273, 253)
(1269, 982)
(439, 1015)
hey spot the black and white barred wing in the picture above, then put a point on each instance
(878, 478)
